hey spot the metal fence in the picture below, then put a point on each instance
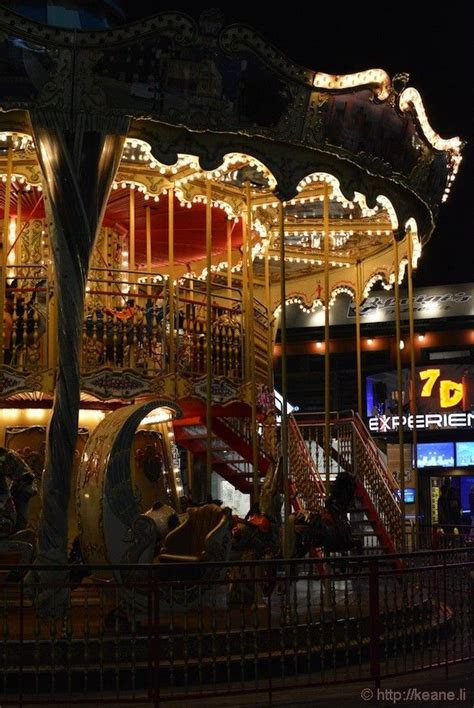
(169, 632)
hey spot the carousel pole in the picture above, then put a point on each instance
(103, 242)
(411, 319)
(171, 341)
(358, 350)
(245, 297)
(229, 256)
(6, 224)
(17, 250)
(269, 316)
(251, 348)
(327, 369)
(148, 245)
(284, 386)
(131, 255)
(208, 340)
(189, 469)
(132, 278)
(399, 393)
(52, 343)
(78, 167)
(19, 216)
(105, 246)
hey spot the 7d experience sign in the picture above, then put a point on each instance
(443, 401)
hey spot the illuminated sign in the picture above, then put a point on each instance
(443, 399)
(428, 303)
(450, 392)
(422, 421)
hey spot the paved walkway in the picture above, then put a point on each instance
(405, 692)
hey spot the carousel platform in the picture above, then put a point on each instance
(303, 628)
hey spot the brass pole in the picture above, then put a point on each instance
(208, 340)
(189, 465)
(358, 349)
(251, 349)
(400, 393)
(245, 297)
(131, 255)
(229, 255)
(191, 315)
(268, 304)
(284, 386)
(53, 351)
(327, 370)
(105, 258)
(148, 244)
(171, 345)
(19, 208)
(411, 319)
(6, 223)
(105, 246)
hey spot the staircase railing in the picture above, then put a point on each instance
(306, 486)
(307, 489)
(378, 482)
(353, 450)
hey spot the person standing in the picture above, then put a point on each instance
(444, 517)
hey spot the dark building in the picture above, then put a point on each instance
(444, 359)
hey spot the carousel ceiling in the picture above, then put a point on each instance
(143, 187)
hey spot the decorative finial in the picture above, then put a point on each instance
(211, 21)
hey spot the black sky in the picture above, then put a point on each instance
(434, 46)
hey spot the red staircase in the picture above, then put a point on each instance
(307, 490)
(377, 513)
(232, 451)
(353, 450)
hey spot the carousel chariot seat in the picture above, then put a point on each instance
(204, 535)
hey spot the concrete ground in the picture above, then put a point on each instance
(405, 691)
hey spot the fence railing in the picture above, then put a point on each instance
(127, 325)
(25, 317)
(183, 631)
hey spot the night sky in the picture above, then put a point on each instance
(434, 46)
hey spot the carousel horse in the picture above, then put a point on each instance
(259, 536)
(17, 487)
(329, 528)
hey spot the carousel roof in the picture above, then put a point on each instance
(202, 103)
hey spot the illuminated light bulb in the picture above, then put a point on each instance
(370, 341)
(402, 344)
(421, 337)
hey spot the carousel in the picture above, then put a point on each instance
(166, 189)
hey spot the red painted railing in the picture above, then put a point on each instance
(170, 632)
(353, 450)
